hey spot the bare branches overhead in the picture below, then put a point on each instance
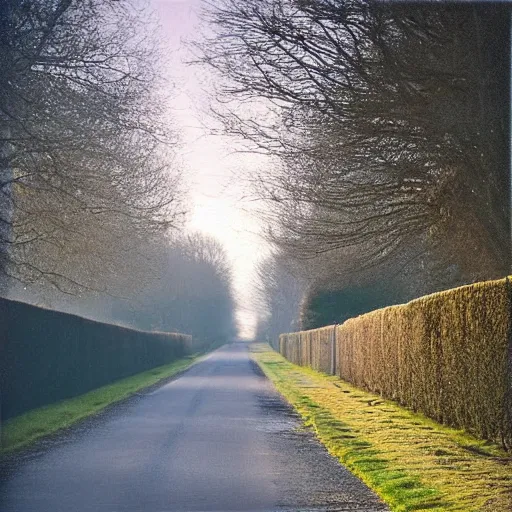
(89, 149)
(387, 123)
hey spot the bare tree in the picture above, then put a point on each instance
(279, 289)
(388, 124)
(90, 163)
(189, 289)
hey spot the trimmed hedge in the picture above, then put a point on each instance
(315, 348)
(47, 356)
(447, 355)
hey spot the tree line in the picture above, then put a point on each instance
(388, 128)
(92, 196)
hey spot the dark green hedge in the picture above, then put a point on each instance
(448, 355)
(327, 307)
(47, 356)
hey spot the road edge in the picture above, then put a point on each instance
(34, 443)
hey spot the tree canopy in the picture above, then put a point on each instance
(387, 124)
(88, 156)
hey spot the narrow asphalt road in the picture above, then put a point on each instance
(217, 438)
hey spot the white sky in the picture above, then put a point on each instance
(213, 172)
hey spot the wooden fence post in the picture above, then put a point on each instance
(333, 351)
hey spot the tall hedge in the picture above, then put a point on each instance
(47, 355)
(448, 355)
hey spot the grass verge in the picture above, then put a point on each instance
(410, 461)
(23, 430)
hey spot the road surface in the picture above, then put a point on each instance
(218, 438)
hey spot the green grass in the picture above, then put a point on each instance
(23, 430)
(410, 461)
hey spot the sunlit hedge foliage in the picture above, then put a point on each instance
(448, 355)
(47, 356)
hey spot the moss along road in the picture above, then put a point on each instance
(219, 437)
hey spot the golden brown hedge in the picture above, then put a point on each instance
(447, 355)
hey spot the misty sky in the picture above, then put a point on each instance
(220, 206)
